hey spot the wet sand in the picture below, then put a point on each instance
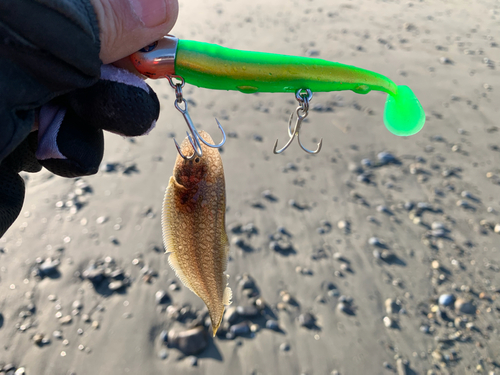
(318, 243)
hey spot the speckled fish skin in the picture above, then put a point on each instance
(193, 222)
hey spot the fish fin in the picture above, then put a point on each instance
(174, 264)
(225, 246)
(228, 295)
(166, 213)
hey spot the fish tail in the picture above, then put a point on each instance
(217, 315)
(403, 114)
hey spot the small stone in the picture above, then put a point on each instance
(38, 339)
(391, 306)
(437, 356)
(57, 335)
(374, 241)
(230, 314)
(446, 299)
(247, 311)
(385, 157)
(307, 320)
(162, 297)
(101, 219)
(388, 322)
(272, 324)
(435, 265)
(401, 367)
(240, 329)
(387, 255)
(285, 347)
(95, 324)
(189, 342)
(464, 307)
(343, 224)
(163, 354)
(49, 266)
(254, 328)
(424, 329)
(193, 361)
(445, 60)
(66, 319)
(408, 26)
(343, 307)
(483, 295)
(464, 204)
(20, 371)
(116, 285)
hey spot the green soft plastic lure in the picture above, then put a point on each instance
(215, 67)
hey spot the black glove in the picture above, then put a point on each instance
(56, 97)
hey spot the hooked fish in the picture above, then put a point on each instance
(193, 225)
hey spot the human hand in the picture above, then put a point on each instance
(57, 96)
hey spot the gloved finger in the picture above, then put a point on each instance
(67, 146)
(23, 157)
(11, 197)
(120, 102)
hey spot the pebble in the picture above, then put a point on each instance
(272, 324)
(388, 322)
(247, 311)
(464, 204)
(230, 315)
(446, 299)
(20, 371)
(285, 347)
(189, 342)
(375, 241)
(436, 225)
(49, 266)
(162, 297)
(116, 285)
(163, 354)
(193, 361)
(385, 157)
(66, 319)
(391, 306)
(344, 226)
(387, 256)
(401, 366)
(307, 320)
(383, 209)
(344, 307)
(424, 329)
(464, 307)
(38, 339)
(77, 304)
(240, 329)
(445, 60)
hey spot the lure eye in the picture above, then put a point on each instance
(197, 160)
(149, 48)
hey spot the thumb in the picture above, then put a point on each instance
(128, 25)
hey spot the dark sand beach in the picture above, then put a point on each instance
(379, 255)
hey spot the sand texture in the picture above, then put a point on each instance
(318, 243)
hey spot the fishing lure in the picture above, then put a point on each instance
(215, 67)
(193, 224)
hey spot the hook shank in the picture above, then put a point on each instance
(303, 107)
(193, 135)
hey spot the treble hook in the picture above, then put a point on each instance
(194, 138)
(303, 100)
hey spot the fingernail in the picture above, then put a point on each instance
(151, 12)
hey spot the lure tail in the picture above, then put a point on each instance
(403, 114)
